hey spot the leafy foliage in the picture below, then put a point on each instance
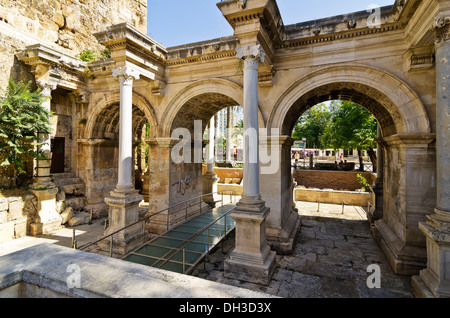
(342, 125)
(312, 125)
(365, 185)
(106, 53)
(87, 55)
(351, 127)
(22, 118)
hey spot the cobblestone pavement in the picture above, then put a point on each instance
(330, 259)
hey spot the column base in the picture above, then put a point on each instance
(377, 213)
(283, 240)
(123, 211)
(48, 219)
(242, 269)
(434, 281)
(209, 184)
(251, 260)
(124, 245)
(404, 259)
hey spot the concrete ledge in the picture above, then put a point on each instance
(333, 196)
(51, 269)
(236, 188)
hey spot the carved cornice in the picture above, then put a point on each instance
(124, 35)
(200, 58)
(441, 29)
(333, 37)
(52, 66)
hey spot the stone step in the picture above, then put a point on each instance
(66, 181)
(63, 175)
(76, 203)
(75, 189)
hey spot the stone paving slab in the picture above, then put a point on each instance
(330, 259)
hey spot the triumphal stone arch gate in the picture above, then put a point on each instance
(393, 60)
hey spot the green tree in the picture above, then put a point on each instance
(22, 119)
(312, 125)
(351, 127)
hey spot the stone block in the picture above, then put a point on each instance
(3, 217)
(16, 208)
(3, 204)
(79, 218)
(20, 228)
(36, 229)
(66, 215)
(6, 231)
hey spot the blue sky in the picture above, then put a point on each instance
(176, 22)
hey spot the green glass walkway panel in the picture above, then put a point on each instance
(184, 246)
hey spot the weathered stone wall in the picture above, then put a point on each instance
(17, 210)
(334, 197)
(65, 25)
(337, 180)
(98, 169)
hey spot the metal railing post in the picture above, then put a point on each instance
(143, 230)
(168, 213)
(184, 260)
(73, 239)
(111, 246)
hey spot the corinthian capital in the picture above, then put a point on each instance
(46, 86)
(253, 52)
(441, 29)
(126, 72)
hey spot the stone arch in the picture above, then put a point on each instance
(405, 144)
(108, 107)
(396, 106)
(215, 93)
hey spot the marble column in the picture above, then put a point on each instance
(251, 260)
(47, 218)
(277, 188)
(42, 176)
(377, 213)
(434, 281)
(124, 200)
(229, 133)
(209, 179)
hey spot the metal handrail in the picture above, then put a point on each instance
(194, 236)
(145, 219)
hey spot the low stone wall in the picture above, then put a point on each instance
(328, 179)
(236, 188)
(334, 196)
(227, 175)
(17, 210)
(47, 270)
